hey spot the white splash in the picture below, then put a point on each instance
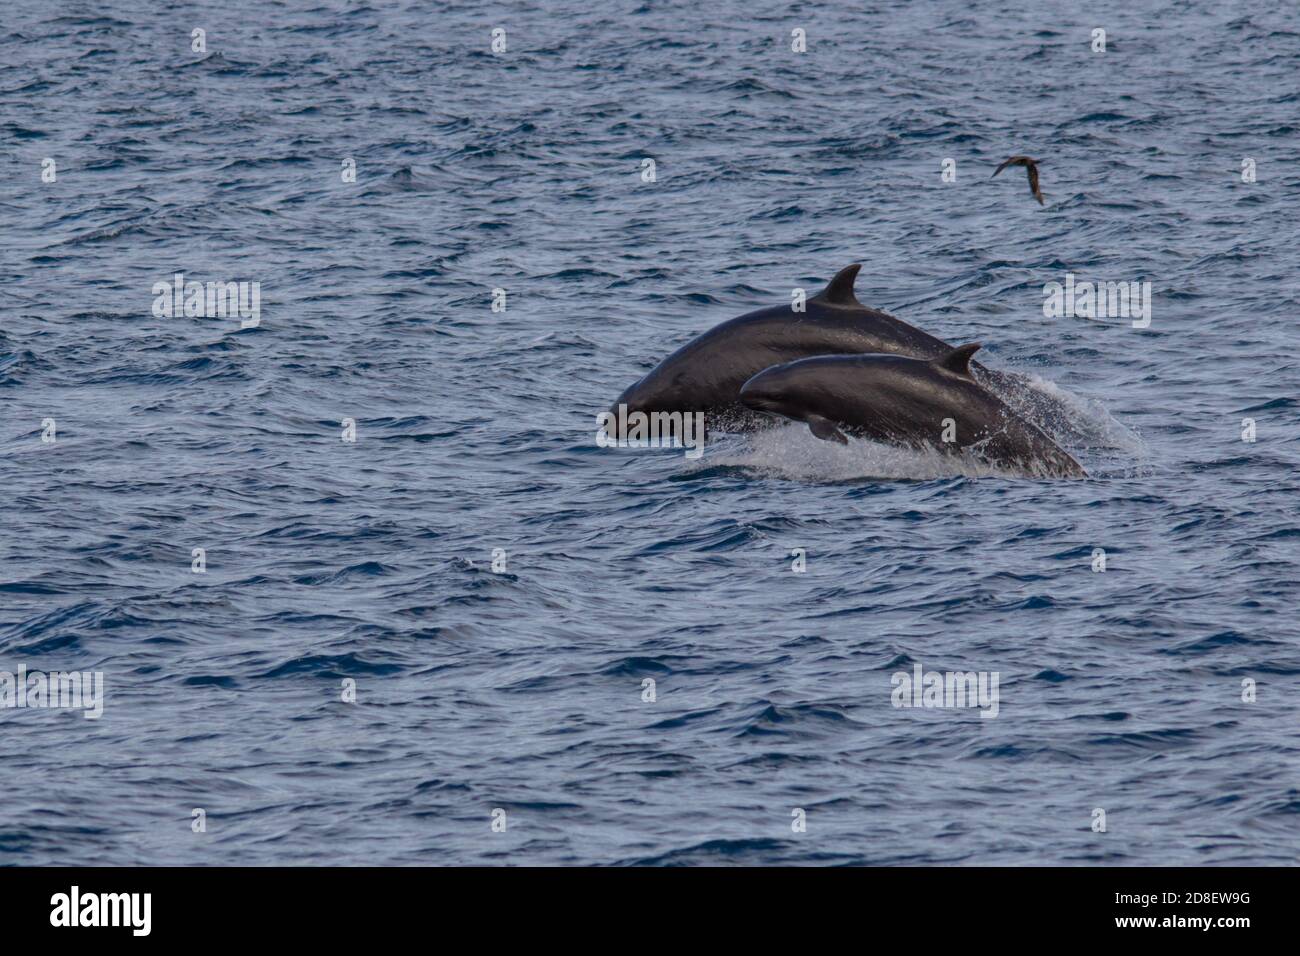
(791, 451)
(1089, 417)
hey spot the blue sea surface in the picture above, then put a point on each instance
(523, 689)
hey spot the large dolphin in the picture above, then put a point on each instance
(705, 374)
(907, 401)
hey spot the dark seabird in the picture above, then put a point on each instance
(1032, 166)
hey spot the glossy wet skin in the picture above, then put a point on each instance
(909, 402)
(707, 373)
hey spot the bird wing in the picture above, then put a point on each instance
(1033, 183)
(1004, 165)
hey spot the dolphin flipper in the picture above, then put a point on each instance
(825, 429)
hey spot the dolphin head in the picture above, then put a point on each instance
(639, 397)
(774, 391)
(655, 393)
(792, 392)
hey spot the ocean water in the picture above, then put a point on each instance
(518, 695)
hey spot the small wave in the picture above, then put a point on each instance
(336, 667)
(405, 180)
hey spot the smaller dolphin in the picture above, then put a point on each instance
(1031, 167)
(918, 403)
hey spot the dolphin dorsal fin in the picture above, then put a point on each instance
(958, 360)
(839, 291)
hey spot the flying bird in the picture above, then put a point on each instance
(1031, 165)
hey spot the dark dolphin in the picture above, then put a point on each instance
(907, 401)
(705, 374)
